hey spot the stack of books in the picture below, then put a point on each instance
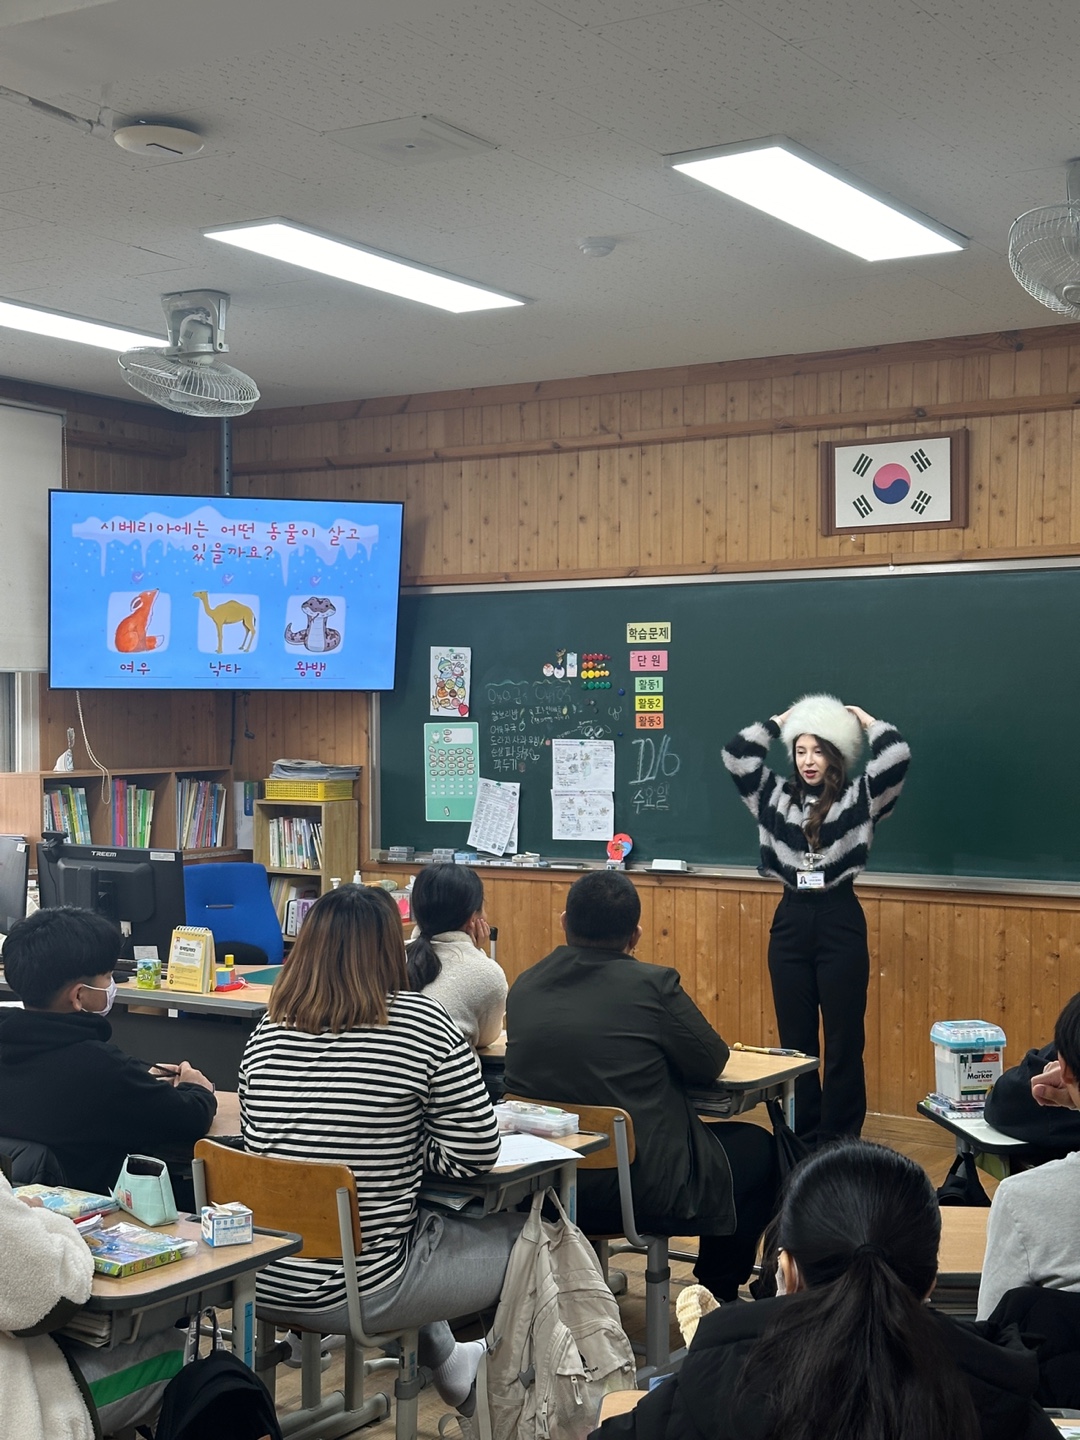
(125, 1250)
(75, 1204)
(295, 843)
(133, 810)
(200, 814)
(65, 809)
(946, 1105)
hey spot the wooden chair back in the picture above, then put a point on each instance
(296, 1195)
(600, 1118)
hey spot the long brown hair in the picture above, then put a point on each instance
(350, 955)
(832, 786)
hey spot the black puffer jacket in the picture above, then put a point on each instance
(697, 1403)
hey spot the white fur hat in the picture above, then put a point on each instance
(828, 718)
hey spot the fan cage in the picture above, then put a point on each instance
(1044, 253)
(207, 388)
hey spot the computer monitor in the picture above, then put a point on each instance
(14, 869)
(141, 891)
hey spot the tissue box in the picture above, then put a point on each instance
(967, 1058)
(226, 1224)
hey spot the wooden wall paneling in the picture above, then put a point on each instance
(737, 470)
(649, 524)
(1004, 464)
(627, 516)
(607, 509)
(688, 506)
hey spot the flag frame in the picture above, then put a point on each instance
(950, 511)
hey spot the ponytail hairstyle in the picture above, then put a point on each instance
(444, 897)
(832, 786)
(857, 1355)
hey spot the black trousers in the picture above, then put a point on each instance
(819, 962)
(725, 1261)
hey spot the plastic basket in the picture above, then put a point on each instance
(308, 789)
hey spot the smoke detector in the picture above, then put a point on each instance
(595, 247)
(147, 137)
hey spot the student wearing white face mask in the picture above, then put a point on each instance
(62, 1082)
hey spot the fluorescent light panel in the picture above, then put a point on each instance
(59, 326)
(798, 187)
(296, 245)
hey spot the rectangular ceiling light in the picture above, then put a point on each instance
(59, 326)
(296, 245)
(797, 186)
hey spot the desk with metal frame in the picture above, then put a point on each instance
(750, 1077)
(974, 1136)
(224, 1276)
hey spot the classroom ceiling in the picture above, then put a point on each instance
(965, 109)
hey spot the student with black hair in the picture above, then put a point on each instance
(1033, 1233)
(592, 1025)
(850, 1351)
(62, 1082)
(815, 830)
(445, 958)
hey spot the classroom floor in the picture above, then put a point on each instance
(932, 1148)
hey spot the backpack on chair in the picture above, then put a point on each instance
(556, 1346)
(216, 1396)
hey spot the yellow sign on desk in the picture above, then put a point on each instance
(191, 960)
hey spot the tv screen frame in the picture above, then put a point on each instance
(309, 608)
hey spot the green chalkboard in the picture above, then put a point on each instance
(978, 667)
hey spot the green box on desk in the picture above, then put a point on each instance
(228, 1224)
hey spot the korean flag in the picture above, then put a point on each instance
(882, 483)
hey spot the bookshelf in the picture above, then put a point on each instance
(23, 795)
(284, 831)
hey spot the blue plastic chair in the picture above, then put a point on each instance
(233, 901)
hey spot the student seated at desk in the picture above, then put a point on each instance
(1012, 1108)
(62, 1082)
(445, 958)
(46, 1271)
(849, 1351)
(590, 1025)
(350, 1065)
(1033, 1233)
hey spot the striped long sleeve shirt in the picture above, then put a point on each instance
(390, 1102)
(848, 829)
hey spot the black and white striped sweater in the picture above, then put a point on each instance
(847, 831)
(390, 1102)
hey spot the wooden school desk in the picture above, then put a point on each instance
(973, 1135)
(224, 1276)
(748, 1078)
(960, 1258)
(619, 1402)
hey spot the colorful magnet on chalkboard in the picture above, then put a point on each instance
(549, 669)
(624, 844)
(621, 690)
(463, 709)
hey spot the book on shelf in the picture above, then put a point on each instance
(133, 811)
(200, 814)
(285, 891)
(295, 843)
(64, 808)
(123, 1250)
(295, 912)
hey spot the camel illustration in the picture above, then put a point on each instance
(317, 636)
(131, 636)
(229, 612)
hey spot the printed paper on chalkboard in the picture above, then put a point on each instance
(494, 821)
(583, 765)
(451, 672)
(582, 815)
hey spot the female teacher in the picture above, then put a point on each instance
(815, 831)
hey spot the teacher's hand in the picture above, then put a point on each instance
(863, 718)
(779, 719)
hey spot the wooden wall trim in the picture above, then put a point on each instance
(104, 407)
(905, 352)
(717, 430)
(127, 444)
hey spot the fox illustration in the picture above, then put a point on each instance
(131, 636)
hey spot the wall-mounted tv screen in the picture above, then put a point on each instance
(193, 592)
